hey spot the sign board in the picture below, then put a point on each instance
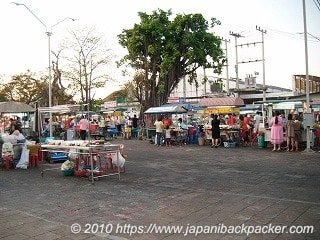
(110, 104)
(222, 110)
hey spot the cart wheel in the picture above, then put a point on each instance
(49, 159)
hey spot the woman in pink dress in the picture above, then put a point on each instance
(276, 137)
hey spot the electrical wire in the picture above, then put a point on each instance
(317, 3)
(294, 35)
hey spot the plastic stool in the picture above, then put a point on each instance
(34, 160)
(7, 160)
(34, 155)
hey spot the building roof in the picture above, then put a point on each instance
(15, 107)
(167, 109)
(222, 101)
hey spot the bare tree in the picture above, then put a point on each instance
(88, 58)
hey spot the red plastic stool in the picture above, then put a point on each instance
(7, 160)
(76, 163)
(34, 155)
(34, 160)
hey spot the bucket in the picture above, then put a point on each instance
(201, 141)
(261, 143)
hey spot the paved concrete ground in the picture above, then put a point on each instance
(195, 187)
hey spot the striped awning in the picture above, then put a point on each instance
(222, 101)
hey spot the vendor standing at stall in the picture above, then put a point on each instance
(215, 128)
(167, 121)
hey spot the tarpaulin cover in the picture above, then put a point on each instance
(222, 101)
(167, 109)
(15, 107)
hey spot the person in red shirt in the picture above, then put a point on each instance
(247, 119)
(231, 120)
(244, 130)
(166, 121)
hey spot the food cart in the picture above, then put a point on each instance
(174, 111)
(222, 106)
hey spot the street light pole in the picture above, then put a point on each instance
(49, 34)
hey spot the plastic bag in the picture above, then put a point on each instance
(73, 154)
(24, 159)
(120, 161)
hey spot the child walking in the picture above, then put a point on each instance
(167, 136)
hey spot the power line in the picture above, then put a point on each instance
(317, 3)
(293, 35)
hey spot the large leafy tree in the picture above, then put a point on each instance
(27, 88)
(168, 51)
(88, 59)
(31, 87)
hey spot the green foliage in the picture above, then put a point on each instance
(28, 87)
(25, 87)
(163, 51)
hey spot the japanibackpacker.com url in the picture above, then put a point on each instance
(196, 230)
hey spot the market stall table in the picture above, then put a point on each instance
(227, 133)
(89, 151)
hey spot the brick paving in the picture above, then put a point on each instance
(178, 186)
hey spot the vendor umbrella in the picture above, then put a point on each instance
(15, 107)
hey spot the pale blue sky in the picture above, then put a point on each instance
(24, 45)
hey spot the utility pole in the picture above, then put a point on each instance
(205, 82)
(227, 65)
(236, 36)
(263, 61)
(308, 117)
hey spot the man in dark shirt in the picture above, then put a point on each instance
(135, 129)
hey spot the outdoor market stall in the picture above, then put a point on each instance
(14, 110)
(95, 158)
(174, 111)
(222, 106)
(88, 149)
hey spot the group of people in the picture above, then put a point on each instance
(291, 125)
(280, 124)
(164, 126)
(245, 123)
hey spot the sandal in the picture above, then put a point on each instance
(273, 150)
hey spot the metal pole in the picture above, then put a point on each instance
(49, 34)
(308, 149)
(227, 66)
(49, 81)
(236, 36)
(237, 66)
(263, 62)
